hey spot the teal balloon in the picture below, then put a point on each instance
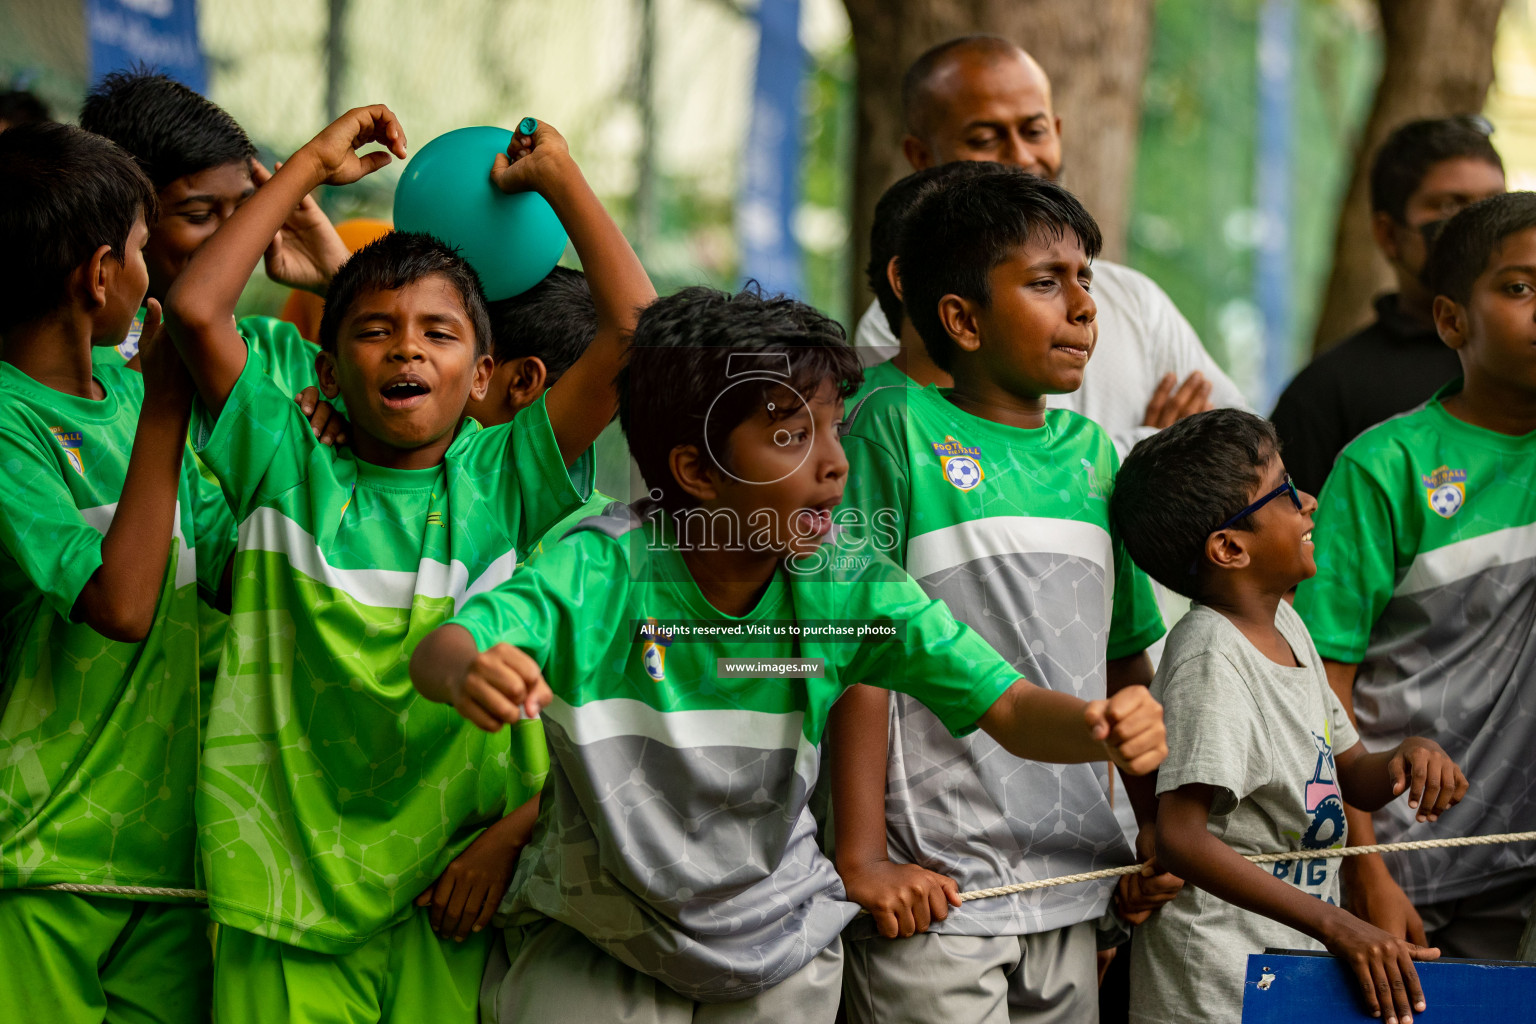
(512, 241)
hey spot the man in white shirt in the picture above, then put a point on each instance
(983, 98)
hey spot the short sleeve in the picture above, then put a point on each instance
(536, 489)
(927, 653)
(562, 611)
(1215, 731)
(42, 530)
(1354, 547)
(214, 531)
(874, 505)
(260, 444)
(1135, 620)
(288, 357)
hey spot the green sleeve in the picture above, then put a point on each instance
(566, 611)
(931, 656)
(534, 487)
(1357, 556)
(1135, 620)
(214, 531)
(260, 444)
(288, 357)
(875, 503)
(41, 528)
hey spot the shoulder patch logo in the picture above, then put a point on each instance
(69, 440)
(654, 642)
(1446, 491)
(961, 463)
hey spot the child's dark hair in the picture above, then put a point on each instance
(64, 193)
(1467, 242)
(18, 106)
(1181, 483)
(890, 216)
(681, 360)
(960, 230)
(394, 261)
(554, 320)
(170, 130)
(1403, 160)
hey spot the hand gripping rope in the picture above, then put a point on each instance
(975, 894)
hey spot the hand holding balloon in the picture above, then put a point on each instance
(532, 162)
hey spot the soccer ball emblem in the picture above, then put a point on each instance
(962, 471)
(1446, 500)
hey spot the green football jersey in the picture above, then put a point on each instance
(98, 739)
(674, 832)
(1009, 528)
(331, 795)
(1426, 578)
(881, 375)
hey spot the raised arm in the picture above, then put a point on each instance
(583, 401)
(120, 598)
(1043, 725)
(201, 305)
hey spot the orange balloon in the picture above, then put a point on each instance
(303, 309)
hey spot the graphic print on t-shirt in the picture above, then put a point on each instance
(69, 440)
(1323, 801)
(1446, 490)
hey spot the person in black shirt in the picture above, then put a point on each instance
(1423, 174)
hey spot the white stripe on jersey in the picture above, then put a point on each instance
(945, 548)
(100, 518)
(614, 717)
(1465, 558)
(267, 529)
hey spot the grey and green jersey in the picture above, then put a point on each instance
(288, 357)
(330, 794)
(98, 739)
(674, 832)
(1426, 578)
(1010, 529)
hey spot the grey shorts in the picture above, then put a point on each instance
(1486, 926)
(548, 973)
(1049, 978)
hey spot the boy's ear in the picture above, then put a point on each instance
(959, 319)
(480, 383)
(325, 374)
(526, 379)
(1450, 321)
(694, 472)
(96, 276)
(1226, 549)
(1383, 230)
(893, 276)
(916, 152)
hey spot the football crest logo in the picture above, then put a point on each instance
(654, 642)
(69, 440)
(962, 463)
(1446, 491)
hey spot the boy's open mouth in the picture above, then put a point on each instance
(404, 391)
(816, 521)
(1306, 538)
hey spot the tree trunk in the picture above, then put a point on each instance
(1094, 53)
(1438, 62)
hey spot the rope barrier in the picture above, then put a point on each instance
(1259, 858)
(975, 894)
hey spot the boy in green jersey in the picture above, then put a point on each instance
(1261, 754)
(998, 507)
(101, 555)
(203, 167)
(330, 795)
(1426, 590)
(693, 645)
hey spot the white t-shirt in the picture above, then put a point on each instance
(1142, 336)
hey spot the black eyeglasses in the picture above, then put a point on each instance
(1289, 487)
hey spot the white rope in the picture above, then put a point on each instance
(1260, 858)
(975, 894)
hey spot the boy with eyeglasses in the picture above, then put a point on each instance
(1261, 754)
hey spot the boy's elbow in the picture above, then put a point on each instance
(125, 624)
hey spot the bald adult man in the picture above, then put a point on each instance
(984, 98)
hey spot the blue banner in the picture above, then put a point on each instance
(770, 184)
(158, 34)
